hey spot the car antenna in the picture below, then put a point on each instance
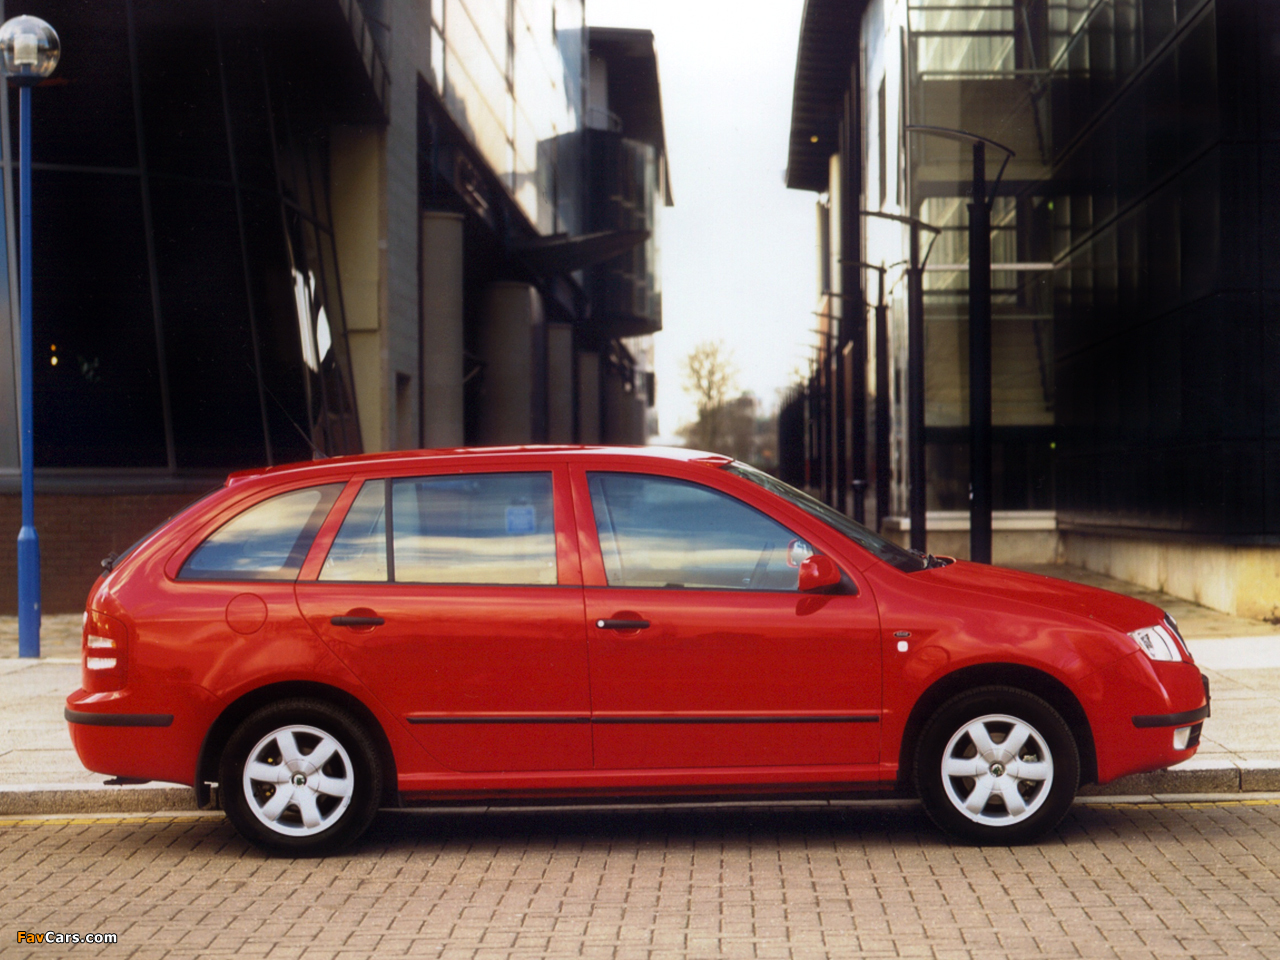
(317, 453)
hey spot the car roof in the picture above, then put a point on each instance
(478, 455)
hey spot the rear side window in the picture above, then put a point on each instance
(268, 541)
(495, 528)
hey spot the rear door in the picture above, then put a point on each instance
(457, 599)
(703, 653)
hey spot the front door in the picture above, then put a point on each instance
(704, 654)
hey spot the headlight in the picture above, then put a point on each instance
(1157, 643)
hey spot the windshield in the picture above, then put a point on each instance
(886, 550)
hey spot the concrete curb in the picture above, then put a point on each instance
(1211, 778)
(40, 799)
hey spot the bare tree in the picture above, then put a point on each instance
(711, 377)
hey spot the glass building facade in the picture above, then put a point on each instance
(188, 313)
(511, 74)
(1161, 227)
(266, 232)
(1132, 300)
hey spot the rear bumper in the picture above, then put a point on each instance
(123, 734)
(117, 719)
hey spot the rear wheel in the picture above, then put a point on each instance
(301, 777)
(997, 765)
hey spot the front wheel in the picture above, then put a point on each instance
(301, 777)
(997, 765)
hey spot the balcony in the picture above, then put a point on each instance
(623, 195)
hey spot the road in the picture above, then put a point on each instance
(810, 881)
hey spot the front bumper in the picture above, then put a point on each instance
(1183, 719)
(1149, 717)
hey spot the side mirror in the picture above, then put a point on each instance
(797, 553)
(817, 572)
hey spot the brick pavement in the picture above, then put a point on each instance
(1118, 881)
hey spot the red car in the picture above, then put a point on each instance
(324, 639)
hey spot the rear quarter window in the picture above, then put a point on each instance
(268, 541)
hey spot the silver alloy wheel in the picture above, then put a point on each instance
(298, 780)
(997, 770)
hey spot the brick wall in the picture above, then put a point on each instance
(76, 531)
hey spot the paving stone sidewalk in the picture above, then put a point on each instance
(1240, 752)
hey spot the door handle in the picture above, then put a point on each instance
(357, 621)
(623, 624)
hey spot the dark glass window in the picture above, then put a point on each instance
(268, 541)
(84, 114)
(217, 418)
(97, 378)
(1158, 18)
(181, 191)
(182, 112)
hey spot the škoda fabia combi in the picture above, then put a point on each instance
(325, 639)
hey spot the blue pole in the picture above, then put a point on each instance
(28, 542)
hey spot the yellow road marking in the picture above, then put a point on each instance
(109, 819)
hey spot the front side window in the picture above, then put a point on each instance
(660, 532)
(268, 541)
(496, 528)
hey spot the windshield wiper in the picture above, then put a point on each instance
(930, 561)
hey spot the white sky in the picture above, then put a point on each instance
(738, 259)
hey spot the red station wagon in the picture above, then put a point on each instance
(324, 639)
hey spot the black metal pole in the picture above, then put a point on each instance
(824, 428)
(808, 433)
(915, 395)
(883, 397)
(858, 419)
(853, 332)
(841, 424)
(980, 362)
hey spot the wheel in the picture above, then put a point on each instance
(301, 777)
(997, 765)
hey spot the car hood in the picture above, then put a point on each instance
(1000, 583)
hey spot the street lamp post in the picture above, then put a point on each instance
(916, 489)
(882, 397)
(979, 335)
(30, 50)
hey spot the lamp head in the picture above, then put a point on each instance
(30, 49)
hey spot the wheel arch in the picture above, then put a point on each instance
(1029, 679)
(215, 740)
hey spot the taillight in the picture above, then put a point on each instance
(104, 652)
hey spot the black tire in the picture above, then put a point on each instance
(985, 795)
(329, 802)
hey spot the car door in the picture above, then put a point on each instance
(448, 597)
(703, 652)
